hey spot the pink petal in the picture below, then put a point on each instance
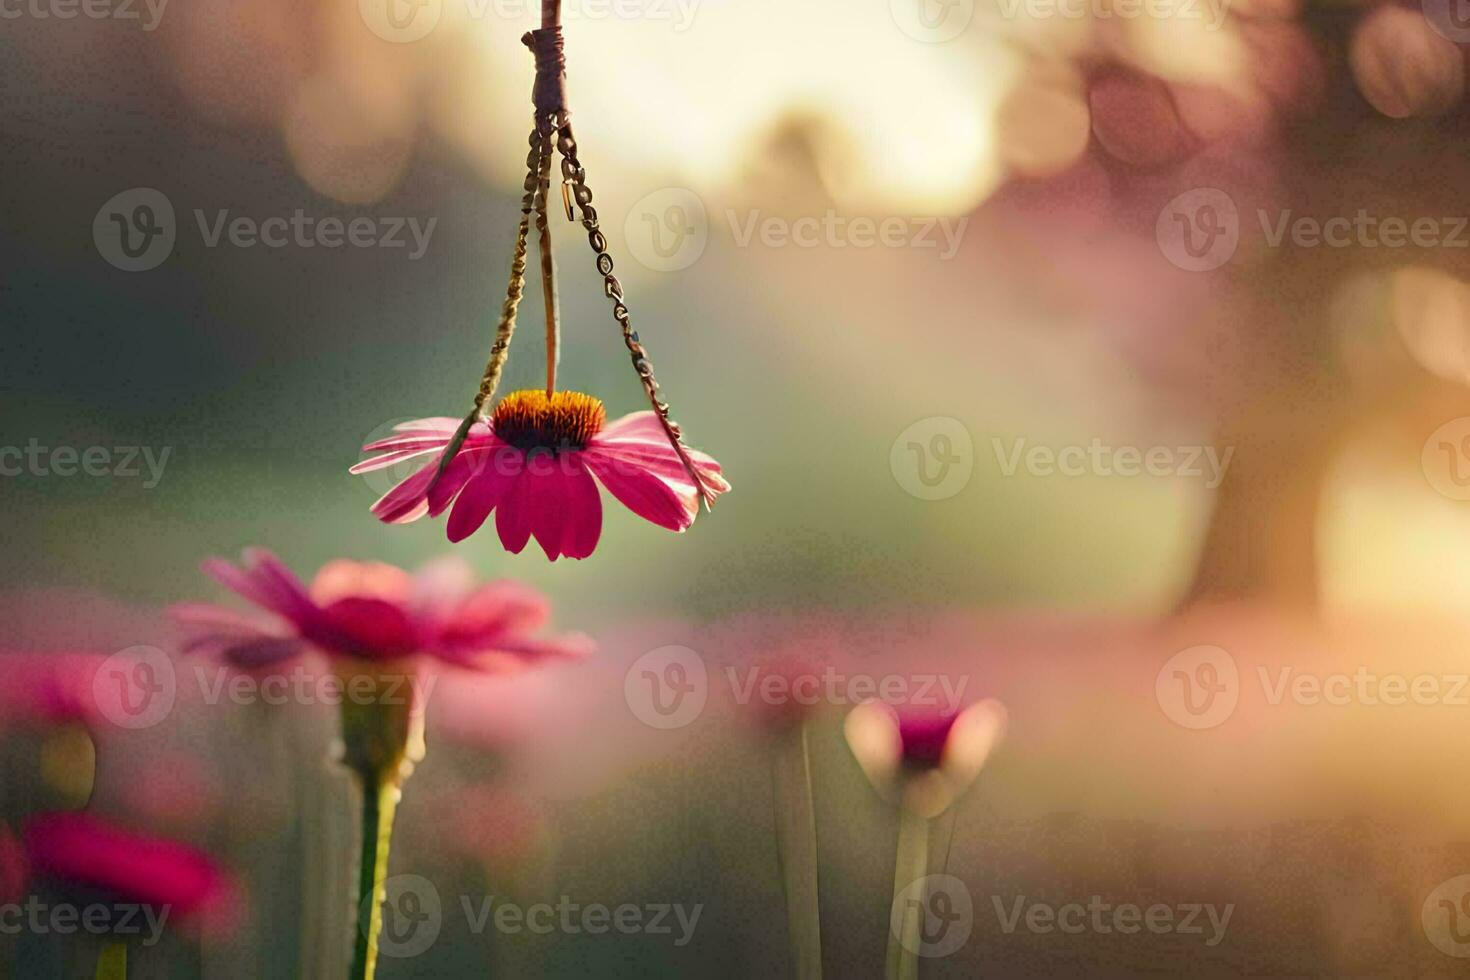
(486, 489)
(267, 583)
(642, 491)
(369, 627)
(638, 425)
(406, 502)
(514, 516)
(661, 458)
(390, 459)
(566, 510)
(438, 423)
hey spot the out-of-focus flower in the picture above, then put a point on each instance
(13, 872)
(923, 760)
(373, 612)
(82, 851)
(44, 690)
(533, 463)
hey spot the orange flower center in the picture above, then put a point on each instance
(529, 420)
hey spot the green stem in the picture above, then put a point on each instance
(910, 864)
(380, 794)
(112, 962)
(796, 849)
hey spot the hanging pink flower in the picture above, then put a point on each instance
(374, 612)
(85, 852)
(533, 463)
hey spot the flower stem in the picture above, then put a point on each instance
(380, 794)
(910, 864)
(796, 849)
(112, 962)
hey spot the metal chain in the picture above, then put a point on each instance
(538, 167)
(538, 176)
(574, 175)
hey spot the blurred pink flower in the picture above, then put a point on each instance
(533, 463)
(86, 852)
(43, 689)
(373, 611)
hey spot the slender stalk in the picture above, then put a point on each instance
(796, 849)
(910, 864)
(550, 17)
(112, 962)
(380, 796)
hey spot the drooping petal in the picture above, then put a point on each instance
(392, 459)
(407, 501)
(660, 458)
(643, 491)
(566, 512)
(515, 511)
(637, 425)
(495, 475)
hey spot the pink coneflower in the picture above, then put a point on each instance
(533, 462)
(47, 689)
(374, 612)
(82, 851)
(923, 758)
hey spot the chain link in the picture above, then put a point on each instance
(575, 176)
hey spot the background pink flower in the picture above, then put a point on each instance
(373, 611)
